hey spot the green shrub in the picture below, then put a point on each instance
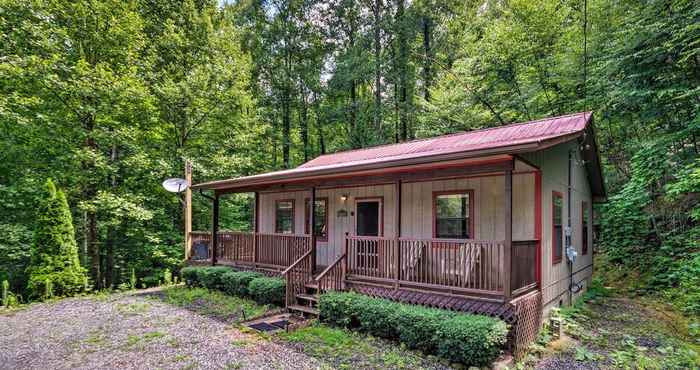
(132, 279)
(469, 339)
(236, 282)
(167, 277)
(210, 277)
(268, 290)
(54, 256)
(189, 275)
(5, 293)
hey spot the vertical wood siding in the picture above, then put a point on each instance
(417, 209)
(553, 162)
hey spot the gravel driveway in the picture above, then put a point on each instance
(132, 331)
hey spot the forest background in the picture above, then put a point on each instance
(108, 98)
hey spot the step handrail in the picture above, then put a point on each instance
(298, 261)
(327, 269)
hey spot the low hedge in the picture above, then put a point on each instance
(236, 282)
(468, 339)
(264, 290)
(267, 290)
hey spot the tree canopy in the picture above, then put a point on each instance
(108, 98)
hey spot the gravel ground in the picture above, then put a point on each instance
(132, 331)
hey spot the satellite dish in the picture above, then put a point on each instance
(175, 185)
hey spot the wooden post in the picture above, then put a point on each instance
(256, 226)
(188, 211)
(214, 228)
(397, 208)
(508, 207)
(312, 218)
(345, 260)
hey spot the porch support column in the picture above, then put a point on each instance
(214, 228)
(256, 222)
(188, 211)
(508, 207)
(397, 216)
(312, 218)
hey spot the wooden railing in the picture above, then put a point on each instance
(272, 250)
(235, 246)
(281, 249)
(333, 277)
(297, 275)
(454, 265)
(370, 256)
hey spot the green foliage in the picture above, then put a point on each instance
(237, 282)
(167, 277)
(132, 279)
(5, 293)
(268, 290)
(54, 268)
(264, 290)
(464, 338)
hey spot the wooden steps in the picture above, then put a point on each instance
(306, 303)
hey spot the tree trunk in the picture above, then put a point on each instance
(427, 78)
(377, 66)
(303, 119)
(403, 66)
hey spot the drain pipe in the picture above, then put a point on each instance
(568, 227)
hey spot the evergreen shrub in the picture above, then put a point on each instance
(268, 290)
(464, 338)
(236, 282)
(54, 256)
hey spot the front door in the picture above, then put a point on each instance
(368, 223)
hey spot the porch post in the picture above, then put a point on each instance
(188, 211)
(508, 205)
(397, 216)
(214, 228)
(312, 218)
(256, 230)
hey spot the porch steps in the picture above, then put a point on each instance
(304, 309)
(306, 303)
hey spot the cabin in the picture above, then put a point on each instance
(481, 221)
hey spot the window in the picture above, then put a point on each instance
(557, 227)
(453, 213)
(584, 227)
(320, 218)
(369, 219)
(284, 216)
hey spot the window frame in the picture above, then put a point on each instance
(584, 230)
(555, 259)
(307, 218)
(277, 202)
(470, 193)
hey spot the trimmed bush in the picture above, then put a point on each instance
(210, 277)
(236, 282)
(189, 275)
(264, 290)
(267, 290)
(468, 339)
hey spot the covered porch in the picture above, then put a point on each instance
(488, 264)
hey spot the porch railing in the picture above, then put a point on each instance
(455, 265)
(266, 250)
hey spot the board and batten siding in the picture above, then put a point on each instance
(553, 163)
(416, 209)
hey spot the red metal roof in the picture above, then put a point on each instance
(493, 142)
(513, 134)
